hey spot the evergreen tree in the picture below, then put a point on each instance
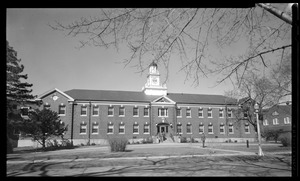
(43, 124)
(17, 91)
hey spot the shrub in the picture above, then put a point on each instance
(272, 134)
(183, 140)
(93, 144)
(285, 141)
(117, 144)
(192, 140)
(81, 144)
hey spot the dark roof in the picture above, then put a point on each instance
(285, 109)
(131, 96)
(200, 98)
(109, 95)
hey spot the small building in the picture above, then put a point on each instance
(278, 117)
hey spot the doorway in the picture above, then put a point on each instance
(163, 128)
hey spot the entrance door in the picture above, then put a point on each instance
(163, 128)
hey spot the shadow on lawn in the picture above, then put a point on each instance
(226, 166)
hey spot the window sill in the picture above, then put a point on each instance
(110, 133)
(189, 117)
(121, 133)
(82, 133)
(247, 133)
(135, 116)
(94, 133)
(95, 115)
(179, 116)
(189, 133)
(121, 115)
(61, 115)
(146, 116)
(222, 133)
(146, 133)
(83, 115)
(135, 133)
(201, 117)
(110, 115)
(210, 133)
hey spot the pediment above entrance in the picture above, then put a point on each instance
(163, 100)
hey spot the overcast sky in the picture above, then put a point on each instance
(52, 60)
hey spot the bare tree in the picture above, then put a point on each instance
(158, 34)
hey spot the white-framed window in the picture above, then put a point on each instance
(230, 128)
(135, 111)
(121, 128)
(222, 128)
(47, 106)
(286, 120)
(135, 128)
(201, 128)
(275, 121)
(178, 112)
(95, 128)
(210, 129)
(83, 111)
(209, 112)
(179, 128)
(110, 111)
(62, 110)
(221, 113)
(95, 111)
(146, 111)
(229, 113)
(247, 128)
(188, 113)
(265, 123)
(122, 111)
(200, 112)
(162, 112)
(83, 128)
(24, 111)
(189, 128)
(110, 128)
(146, 128)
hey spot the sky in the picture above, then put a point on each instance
(52, 60)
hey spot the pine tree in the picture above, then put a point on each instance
(17, 91)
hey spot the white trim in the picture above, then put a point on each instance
(204, 106)
(211, 113)
(119, 128)
(212, 126)
(113, 111)
(53, 90)
(190, 116)
(59, 106)
(232, 129)
(112, 103)
(93, 106)
(148, 111)
(170, 100)
(223, 129)
(122, 107)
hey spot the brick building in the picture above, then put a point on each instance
(94, 115)
(278, 117)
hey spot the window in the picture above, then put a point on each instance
(135, 111)
(210, 129)
(95, 128)
(201, 128)
(188, 112)
(230, 128)
(146, 112)
(121, 128)
(62, 110)
(221, 113)
(245, 114)
(83, 111)
(222, 128)
(229, 113)
(189, 128)
(110, 128)
(146, 128)
(135, 128)
(24, 111)
(247, 128)
(209, 113)
(110, 111)
(287, 120)
(83, 127)
(121, 111)
(275, 121)
(95, 110)
(162, 112)
(178, 112)
(200, 112)
(179, 128)
(47, 106)
(265, 123)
